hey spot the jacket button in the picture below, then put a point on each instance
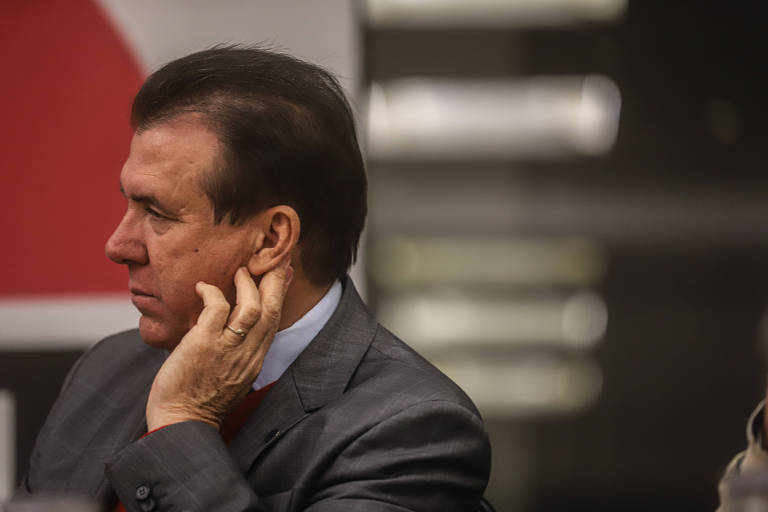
(142, 492)
(271, 435)
(147, 505)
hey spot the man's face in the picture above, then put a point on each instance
(167, 238)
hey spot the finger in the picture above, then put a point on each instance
(247, 291)
(215, 307)
(272, 292)
(248, 308)
(274, 285)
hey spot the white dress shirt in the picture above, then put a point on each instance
(291, 341)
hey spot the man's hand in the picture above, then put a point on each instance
(213, 368)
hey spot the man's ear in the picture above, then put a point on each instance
(280, 228)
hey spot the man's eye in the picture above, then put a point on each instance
(154, 213)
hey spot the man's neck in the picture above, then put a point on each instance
(300, 298)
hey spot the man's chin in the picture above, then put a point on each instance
(157, 335)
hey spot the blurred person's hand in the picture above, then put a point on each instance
(213, 367)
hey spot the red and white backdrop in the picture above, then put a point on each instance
(70, 70)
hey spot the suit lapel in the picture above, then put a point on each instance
(320, 374)
(279, 411)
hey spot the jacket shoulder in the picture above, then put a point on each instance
(115, 356)
(392, 365)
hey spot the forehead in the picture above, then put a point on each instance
(171, 153)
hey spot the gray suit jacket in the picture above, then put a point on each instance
(358, 422)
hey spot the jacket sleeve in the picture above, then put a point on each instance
(184, 466)
(433, 455)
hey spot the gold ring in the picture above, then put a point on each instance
(239, 332)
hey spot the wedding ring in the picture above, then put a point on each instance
(239, 332)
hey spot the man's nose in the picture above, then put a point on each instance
(126, 244)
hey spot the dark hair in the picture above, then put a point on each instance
(288, 135)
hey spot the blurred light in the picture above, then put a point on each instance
(7, 445)
(526, 386)
(431, 322)
(398, 262)
(542, 117)
(490, 13)
(584, 319)
(79, 321)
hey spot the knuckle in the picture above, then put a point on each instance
(250, 313)
(219, 306)
(220, 301)
(273, 315)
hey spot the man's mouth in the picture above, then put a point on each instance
(142, 299)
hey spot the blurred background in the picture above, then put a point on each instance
(568, 215)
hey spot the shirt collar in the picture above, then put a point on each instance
(291, 341)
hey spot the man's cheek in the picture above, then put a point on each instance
(229, 290)
(192, 312)
(224, 282)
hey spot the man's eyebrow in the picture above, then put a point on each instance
(144, 198)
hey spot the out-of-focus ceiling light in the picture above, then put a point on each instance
(539, 117)
(490, 13)
(399, 262)
(438, 321)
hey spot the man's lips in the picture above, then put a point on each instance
(142, 299)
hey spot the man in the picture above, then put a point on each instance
(245, 197)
